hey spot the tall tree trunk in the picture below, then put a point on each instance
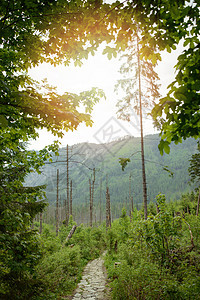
(93, 182)
(100, 201)
(108, 212)
(71, 198)
(132, 204)
(141, 134)
(197, 213)
(109, 209)
(92, 197)
(57, 202)
(60, 210)
(90, 191)
(67, 208)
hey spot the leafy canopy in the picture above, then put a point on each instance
(32, 32)
(164, 24)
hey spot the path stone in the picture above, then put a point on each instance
(93, 283)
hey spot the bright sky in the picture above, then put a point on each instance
(99, 72)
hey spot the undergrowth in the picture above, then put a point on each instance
(157, 258)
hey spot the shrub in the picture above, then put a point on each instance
(60, 271)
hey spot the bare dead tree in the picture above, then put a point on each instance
(90, 193)
(132, 204)
(109, 209)
(57, 202)
(130, 195)
(67, 208)
(91, 187)
(108, 213)
(71, 198)
(141, 133)
(100, 201)
(71, 233)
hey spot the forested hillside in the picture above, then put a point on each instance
(105, 159)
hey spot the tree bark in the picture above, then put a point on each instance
(132, 204)
(93, 182)
(90, 191)
(108, 212)
(92, 197)
(130, 195)
(67, 208)
(100, 201)
(57, 202)
(71, 198)
(71, 233)
(109, 209)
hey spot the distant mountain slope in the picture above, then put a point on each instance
(105, 159)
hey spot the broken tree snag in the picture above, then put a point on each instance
(108, 213)
(71, 233)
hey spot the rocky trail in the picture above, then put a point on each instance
(93, 284)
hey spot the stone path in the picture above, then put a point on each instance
(93, 283)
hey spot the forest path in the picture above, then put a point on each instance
(93, 283)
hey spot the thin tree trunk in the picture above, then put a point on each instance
(100, 201)
(57, 202)
(67, 208)
(198, 204)
(132, 204)
(90, 191)
(108, 212)
(93, 182)
(71, 233)
(107, 209)
(71, 198)
(141, 133)
(60, 210)
(92, 197)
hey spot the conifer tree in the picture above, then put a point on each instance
(139, 83)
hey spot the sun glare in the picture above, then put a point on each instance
(99, 72)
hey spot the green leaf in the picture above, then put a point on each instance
(123, 162)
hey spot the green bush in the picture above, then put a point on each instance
(63, 262)
(90, 240)
(137, 283)
(60, 271)
(157, 258)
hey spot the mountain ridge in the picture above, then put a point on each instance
(84, 157)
